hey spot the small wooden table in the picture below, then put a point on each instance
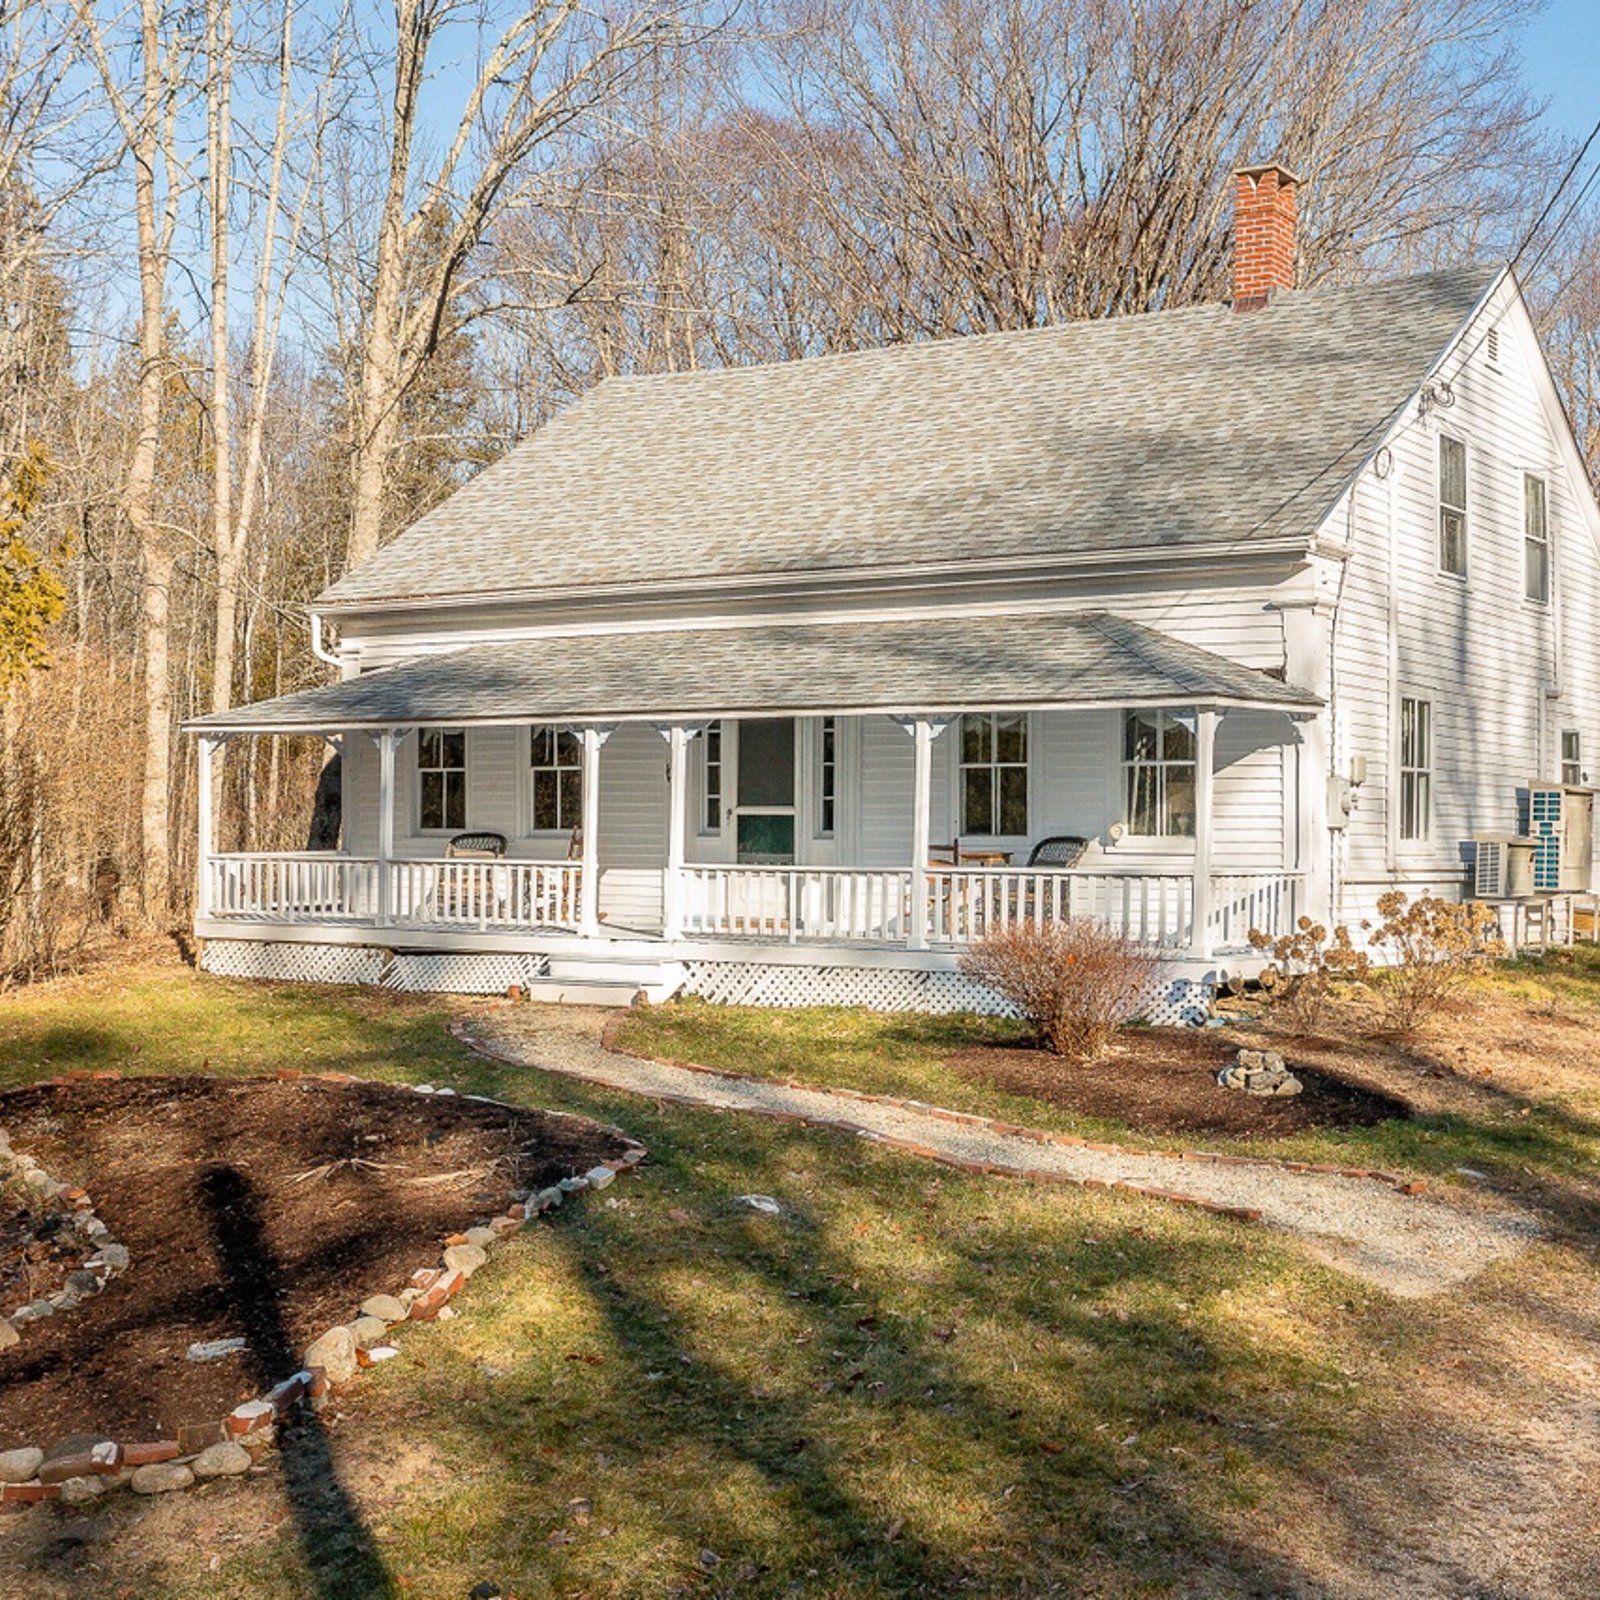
(977, 858)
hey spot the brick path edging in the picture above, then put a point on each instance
(107, 1464)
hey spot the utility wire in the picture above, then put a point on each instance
(1550, 204)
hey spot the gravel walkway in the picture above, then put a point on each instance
(1410, 1245)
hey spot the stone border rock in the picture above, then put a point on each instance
(608, 1041)
(85, 1466)
(103, 1256)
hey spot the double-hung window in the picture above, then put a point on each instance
(1416, 768)
(442, 779)
(1452, 506)
(1571, 756)
(994, 773)
(1158, 773)
(556, 762)
(1535, 538)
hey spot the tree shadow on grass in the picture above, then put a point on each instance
(341, 1558)
(826, 1464)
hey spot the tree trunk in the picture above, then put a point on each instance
(156, 887)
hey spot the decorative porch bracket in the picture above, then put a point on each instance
(594, 739)
(924, 730)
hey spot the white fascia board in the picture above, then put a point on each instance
(1123, 561)
(736, 713)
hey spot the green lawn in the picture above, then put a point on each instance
(911, 1056)
(911, 1383)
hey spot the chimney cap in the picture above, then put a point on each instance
(1262, 168)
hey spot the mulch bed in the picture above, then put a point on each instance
(1164, 1081)
(252, 1208)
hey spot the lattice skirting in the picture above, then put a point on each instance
(462, 972)
(293, 963)
(1176, 1001)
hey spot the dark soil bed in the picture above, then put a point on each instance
(262, 1209)
(1164, 1081)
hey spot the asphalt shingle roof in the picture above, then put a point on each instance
(1176, 429)
(965, 663)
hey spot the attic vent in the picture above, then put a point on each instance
(1493, 350)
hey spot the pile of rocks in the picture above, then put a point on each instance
(73, 1228)
(1259, 1072)
(85, 1466)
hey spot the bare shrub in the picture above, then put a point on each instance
(1077, 981)
(1308, 965)
(1432, 946)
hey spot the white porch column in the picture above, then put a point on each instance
(921, 825)
(677, 829)
(589, 858)
(387, 740)
(1205, 763)
(206, 817)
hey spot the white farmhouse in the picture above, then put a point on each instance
(783, 683)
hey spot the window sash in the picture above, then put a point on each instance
(1571, 756)
(827, 777)
(1159, 750)
(1535, 538)
(1452, 506)
(555, 760)
(1416, 769)
(711, 779)
(993, 774)
(441, 780)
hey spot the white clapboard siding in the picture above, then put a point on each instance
(1478, 650)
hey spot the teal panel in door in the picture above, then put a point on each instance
(766, 839)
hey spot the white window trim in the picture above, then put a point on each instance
(822, 769)
(702, 793)
(1543, 602)
(525, 764)
(1425, 839)
(1439, 508)
(417, 769)
(957, 789)
(1576, 734)
(1123, 766)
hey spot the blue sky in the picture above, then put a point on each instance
(1562, 51)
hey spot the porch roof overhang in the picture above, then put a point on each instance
(893, 668)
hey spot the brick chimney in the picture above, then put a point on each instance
(1263, 233)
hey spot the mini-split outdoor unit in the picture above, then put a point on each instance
(1560, 820)
(1503, 866)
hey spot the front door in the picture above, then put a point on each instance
(764, 818)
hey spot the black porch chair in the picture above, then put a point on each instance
(1059, 850)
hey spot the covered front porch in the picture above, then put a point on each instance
(744, 789)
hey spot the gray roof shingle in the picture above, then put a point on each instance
(966, 663)
(1176, 429)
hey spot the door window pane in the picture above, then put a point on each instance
(766, 761)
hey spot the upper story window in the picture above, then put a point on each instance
(556, 761)
(1535, 538)
(1158, 767)
(994, 773)
(442, 779)
(1452, 506)
(1416, 769)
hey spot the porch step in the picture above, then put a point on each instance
(604, 980)
(582, 991)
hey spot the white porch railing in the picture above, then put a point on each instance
(967, 903)
(814, 904)
(830, 903)
(324, 887)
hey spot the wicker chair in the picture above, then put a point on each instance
(1060, 850)
(476, 847)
